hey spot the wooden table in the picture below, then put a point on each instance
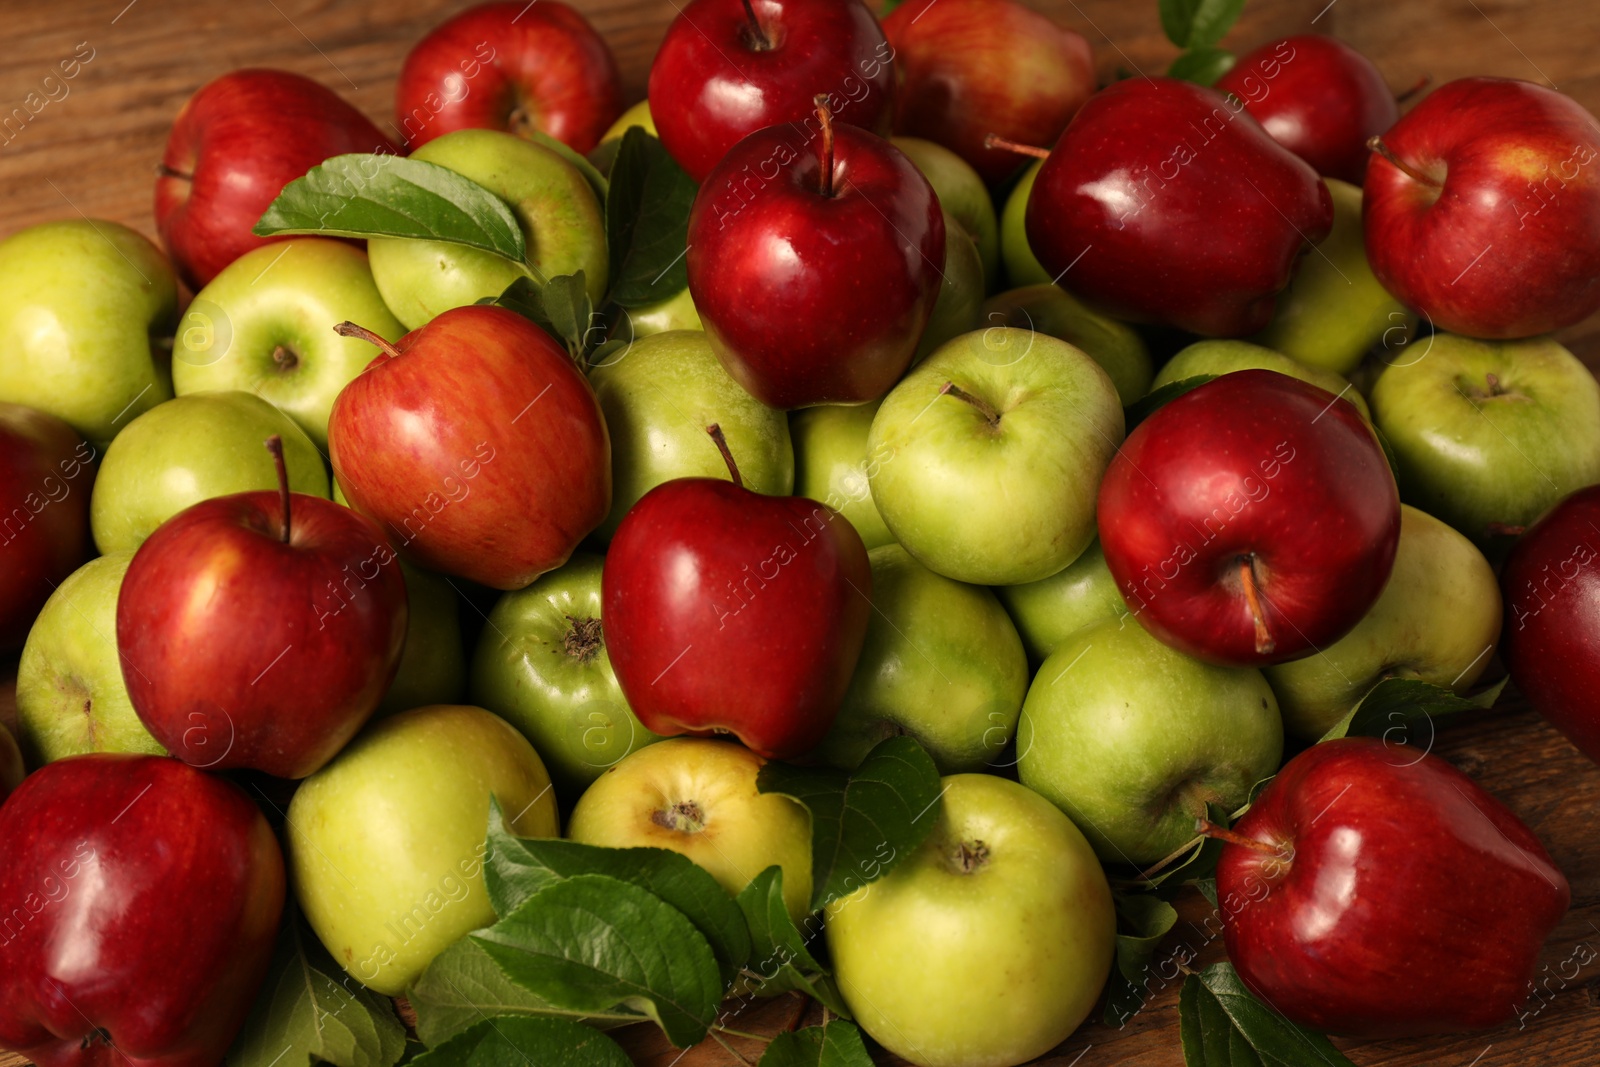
(93, 152)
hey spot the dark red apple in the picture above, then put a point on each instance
(815, 258)
(970, 68)
(260, 630)
(1379, 892)
(1319, 98)
(732, 612)
(511, 66)
(237, 142)
(728, 68)
(141, 898)
(1482, 209)
(46, 472)
(1250, 521)
(1164, 202)
(476, 444)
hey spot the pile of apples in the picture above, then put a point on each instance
(870, 380)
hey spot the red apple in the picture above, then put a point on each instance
(1379, 892)
(1165, 202)
(476, 444)
(732, 612)
(46, 471)
(1319, 98)
(970, 68)
(728, 68)
(260, 630)
(237, 142)
(510, 66)
(815, 258)
(141, 898)
(1250, 521)
(1482, 209)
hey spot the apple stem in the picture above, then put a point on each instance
(758, 36)
(727, 455)
(825, 117)
(1502, 529)
(275, 446)
(1406, 94)
(350, 329)
(167, 172)
(994, 140)
(1376, 144)
(1166, 861)
(952, 389)
(1207, 828)
(1247, 579)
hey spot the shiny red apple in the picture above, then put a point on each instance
(1250, 521)
(46, 473)
(141, 898)
(237, 142)
(728, 68)
(970, 68)
(1379, 892)
(1482, 209)
(1165, 202)
(727, 611)
(476, 444)
(511, 66)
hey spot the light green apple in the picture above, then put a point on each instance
(557, 209)
(676, 312)
(1022, 266)
(71, 698)
(1218, 356)
(955, 311)
(87, 308)
(1334, 310)
(989, 944)
(1437, 620)
(986, 459)
(190, 449)
(265, 325)
(433, 665)
(541, 664)
(698, 796)
(1047, 308)
(658, 396)
(1133, 739)
(386, 843)
(1052, 609)
(831, 464)
(942, 662)
(1489, 431)
(962, 194)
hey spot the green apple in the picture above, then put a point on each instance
(1047, 308)
(1334, 310)
(541, 664)
(85, 309)
(71, 698)
(190, 449)
(265, 325)
(433, 665)
(698, 796)
(1133, 739)
(1437, 620)
(676, 312)
(986, 458)
(963, 195)
(1022, 266)
(1218, 357)
(386, 843)
(557, 209)
(1489, 431)
(942, 662)
(831, 464)
(955, 312)
(1050, 610)
(658, 396)
(989, 944)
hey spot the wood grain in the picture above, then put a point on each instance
(93, 150)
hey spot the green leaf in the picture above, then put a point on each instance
(391, 196)
(1151, 402)
(1148, 919)
(310, 1011)
(647, 221)
(1203, 66)
(519, 868)
(1196, 24)
(515, 1041)
(1402, 711)
(1222, 1024)
(780, 959)
(590, 943)
(836, 1044)
(561, 308)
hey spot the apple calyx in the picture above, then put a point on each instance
(990, 412)
(284, 358)
(715, 431)
(1491, 388)
(825, 152)
(583, 639)
(686, 817)
(275, 446)
(969, 857)
(1375, 144)
(1265, 642)
(755, 37)
(991, 140)
(350, 329)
